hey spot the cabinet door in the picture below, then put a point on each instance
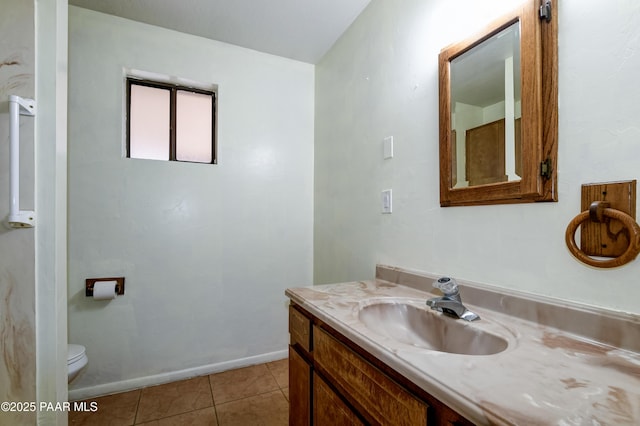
(299, 390)
(328, 408)
(377, 397)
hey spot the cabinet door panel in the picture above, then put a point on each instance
(299, 390)
(328, 408)
(374, 394)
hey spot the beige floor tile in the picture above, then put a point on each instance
(241, 383)
(280, 370)
(161, 401)
(256, 395)
(203, 417)
(112, 410)
(269, 409)
(151, 423)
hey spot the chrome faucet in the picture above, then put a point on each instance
(450, 303)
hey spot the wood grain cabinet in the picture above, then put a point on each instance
(328, 408)
(332, 381)
(300, 368)
(299, 389)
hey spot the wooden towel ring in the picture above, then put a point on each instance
(634, 236)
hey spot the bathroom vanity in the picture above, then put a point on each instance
(354, 360)
(335, 381)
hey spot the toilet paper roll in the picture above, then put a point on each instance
(104, 290)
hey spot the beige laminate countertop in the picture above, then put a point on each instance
(546, 376)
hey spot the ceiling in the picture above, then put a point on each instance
(303, 30)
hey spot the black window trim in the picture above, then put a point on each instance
(173, 89)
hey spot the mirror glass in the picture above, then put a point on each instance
(486, 108)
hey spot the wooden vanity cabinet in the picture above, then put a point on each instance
(328, 408)
(332, 381)
(300, 367)
(300, 329)
(378, 398)
(300, 374)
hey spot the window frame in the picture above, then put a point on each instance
(173, 90)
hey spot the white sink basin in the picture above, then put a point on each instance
(414, 325)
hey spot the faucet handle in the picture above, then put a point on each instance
(448, 286)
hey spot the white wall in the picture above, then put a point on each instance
(381, 79)
(17, 246)
(33, 278)
(51, 206)
(207, 250)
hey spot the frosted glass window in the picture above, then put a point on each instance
(149, 123)
(194, 117)
(170, 122)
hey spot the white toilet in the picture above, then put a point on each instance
(76, 360)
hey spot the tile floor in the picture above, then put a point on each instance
(256, 395)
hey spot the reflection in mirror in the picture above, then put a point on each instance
(486, 107)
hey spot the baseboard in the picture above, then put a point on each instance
(158, 379)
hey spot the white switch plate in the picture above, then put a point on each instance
(387, 201)
(388, 147)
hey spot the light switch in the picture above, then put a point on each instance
(387, 201)
(388, 147)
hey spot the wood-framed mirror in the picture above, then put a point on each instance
(499, 111)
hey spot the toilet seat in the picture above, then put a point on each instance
(75, 353)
